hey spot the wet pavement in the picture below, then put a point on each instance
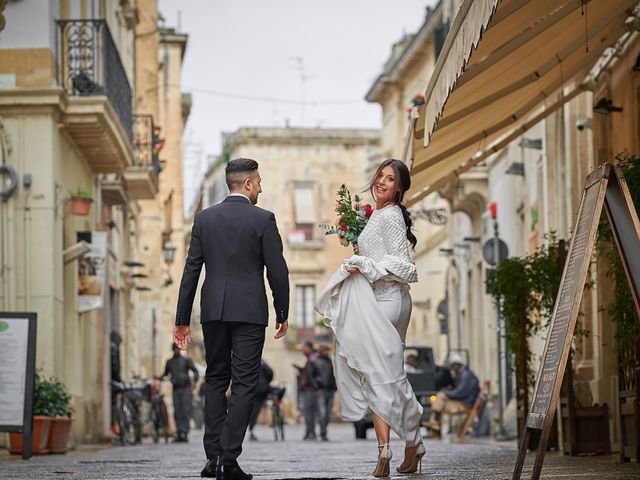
(342, 457)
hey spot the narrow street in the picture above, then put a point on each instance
(341, 458)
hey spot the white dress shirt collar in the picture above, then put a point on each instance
(238, 195)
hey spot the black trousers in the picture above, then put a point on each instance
(233, 351)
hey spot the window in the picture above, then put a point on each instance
(304, 210)
(305, 299)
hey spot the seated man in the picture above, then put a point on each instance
(457, 399)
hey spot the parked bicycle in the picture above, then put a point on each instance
(277, 417)
(159, 416)
(140, 403)
(126, 413)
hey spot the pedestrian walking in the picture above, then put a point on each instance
(308, 390)
(235, 240)
(325, 383)
(262, 392)
(177, 370)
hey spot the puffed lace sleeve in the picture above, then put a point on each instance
(397, 261)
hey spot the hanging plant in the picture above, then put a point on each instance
(80, 201)
(418, 100)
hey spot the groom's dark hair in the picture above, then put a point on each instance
(238, 170)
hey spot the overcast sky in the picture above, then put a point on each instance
(325, 52)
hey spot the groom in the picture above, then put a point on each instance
(236, 241)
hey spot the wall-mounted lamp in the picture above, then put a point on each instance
(169, 251)
(605, 106)
(535, 143)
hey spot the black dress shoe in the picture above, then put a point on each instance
(232, 472)
(210, 468)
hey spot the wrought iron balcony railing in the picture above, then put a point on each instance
(89, 64)
(144, 150)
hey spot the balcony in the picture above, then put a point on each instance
(98, 114)
(142, 177)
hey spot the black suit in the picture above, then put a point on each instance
(236, 241)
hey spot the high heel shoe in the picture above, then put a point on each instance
(416, 461)
(384, 458)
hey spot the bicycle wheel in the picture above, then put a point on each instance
(153, 424)
(278, 430)
(128, 423)
(163, 419)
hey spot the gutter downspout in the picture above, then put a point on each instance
(7, 271)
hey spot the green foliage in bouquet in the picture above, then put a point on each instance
(352, 217)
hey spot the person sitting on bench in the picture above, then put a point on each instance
(457, 399)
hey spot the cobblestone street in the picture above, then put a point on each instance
(341, 458)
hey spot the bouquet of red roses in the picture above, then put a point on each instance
(352, 218)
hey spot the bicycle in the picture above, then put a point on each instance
(158, 414)
(276, 394)
(127, 414)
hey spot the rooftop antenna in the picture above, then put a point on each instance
(299, 65)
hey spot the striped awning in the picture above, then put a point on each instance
(505, 65)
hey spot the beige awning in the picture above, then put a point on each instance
(490, 85)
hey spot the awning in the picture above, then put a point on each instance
(505, 65)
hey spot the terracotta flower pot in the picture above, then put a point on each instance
(59, 435)
(39, 438)
(80, 205)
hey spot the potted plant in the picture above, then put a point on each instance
(42, 411)
(60, 401)
(80, 201)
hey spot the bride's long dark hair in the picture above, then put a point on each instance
(403, 183)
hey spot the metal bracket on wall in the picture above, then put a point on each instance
(7, 191)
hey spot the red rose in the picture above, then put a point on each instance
(344, 228)
(368, 210)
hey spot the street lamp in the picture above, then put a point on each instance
(169, 251)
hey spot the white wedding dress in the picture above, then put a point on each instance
(369, 314)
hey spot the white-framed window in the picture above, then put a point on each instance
(305, 299)
(305, 214)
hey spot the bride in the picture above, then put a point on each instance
(368, 306)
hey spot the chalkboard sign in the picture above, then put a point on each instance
(17, 372)
(567, 304)
(606, 186)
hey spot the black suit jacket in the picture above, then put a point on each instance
(236, 241)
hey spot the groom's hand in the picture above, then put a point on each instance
(182, 336)
(281, 329)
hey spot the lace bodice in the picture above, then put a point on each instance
(384, 241)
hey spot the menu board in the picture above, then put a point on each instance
(17, 360)
(567, 304)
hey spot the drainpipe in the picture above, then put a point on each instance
(7, 248)
(27, 248)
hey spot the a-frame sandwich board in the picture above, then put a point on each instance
(606, 187)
